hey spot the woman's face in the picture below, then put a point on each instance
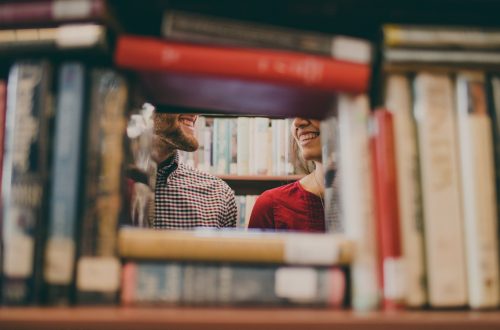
(307, 135)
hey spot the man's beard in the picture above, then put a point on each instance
(182, 141)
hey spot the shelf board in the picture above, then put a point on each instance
(279, 178)
(122, 318)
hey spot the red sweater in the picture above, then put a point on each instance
(289, 207)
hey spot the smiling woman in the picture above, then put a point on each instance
(297, 206)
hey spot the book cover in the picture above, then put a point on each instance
(235, 245)
(478, 193)
(64, 207)
(356, 198)
(98, 266)
(390, 266)
(441, 190)
(25, 180)
(315, 72)
(192, 27)
(243, 144)
(227, 284)
(398, 100)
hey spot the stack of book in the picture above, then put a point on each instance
(234, 268)
(63, 133)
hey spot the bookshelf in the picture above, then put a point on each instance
(326, 16)
(107, 318)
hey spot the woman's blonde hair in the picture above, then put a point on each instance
(301, 165)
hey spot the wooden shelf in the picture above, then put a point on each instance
(256, 184)
(238, 318)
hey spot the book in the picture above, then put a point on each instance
(452, 37)
(232, 96)
(235, 245)
(193, 27)
(279, 67)
(229, 284)
(64, 208)
(54, 12)
(3, 106)
(390, 260)
(98, 266)
(441, 189)
(478, 193)
(25, 180)
(356, 198)
(69, 37)
(243, 145)
(441, 57)
(398, 100)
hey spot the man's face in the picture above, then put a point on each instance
(176, 130)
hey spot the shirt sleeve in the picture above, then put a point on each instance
(231, 214)
(262, 213)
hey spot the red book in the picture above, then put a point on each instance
(51, 12)
(386, 211)
(263, 65)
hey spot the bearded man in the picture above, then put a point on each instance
(185, 197)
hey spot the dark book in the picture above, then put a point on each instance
(64, 210)
(98, 267)
(25, 180)
(199, 28)
(174, 283)
(3, 106)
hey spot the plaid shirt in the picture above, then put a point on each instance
(186, 198)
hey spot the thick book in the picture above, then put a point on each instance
(426, 36)
(53, 12)
(441, 190)
(316, 72)
(229, 284)
(390, 259)
(478, 193)
(398, 101)
(26, 168)
(356, 198)
(193, 27)
(233, 96)
(236, 246)
(98, 266)
(455, 57)
(48, 40)
(64, 206)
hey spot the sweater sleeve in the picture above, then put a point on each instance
(263, 213)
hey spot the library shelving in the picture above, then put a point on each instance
(151, 318)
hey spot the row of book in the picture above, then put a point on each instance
(243, 146)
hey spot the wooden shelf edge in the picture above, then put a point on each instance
(96, 318)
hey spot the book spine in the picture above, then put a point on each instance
(261, 145)
(243, 145)
(443, 224)
(329, 143)
(98, 267)
(149, 54)
(48, 11)
(398, 101)
(441, 56)
(479, 196)
(435, 37)
(231, 284)
(356, 199)
(233, 145)
(3, 108)
(25, 177)
(391, 267)
(60, 249)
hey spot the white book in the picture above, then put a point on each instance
(207, 145)
(356, 198)
(398, 102)
(200, 153)
(249, 204)
(478, 196)
(243, 141)
(444, 242)
(252, 163)
(261, 145)
(282, 133)
(233, 145)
